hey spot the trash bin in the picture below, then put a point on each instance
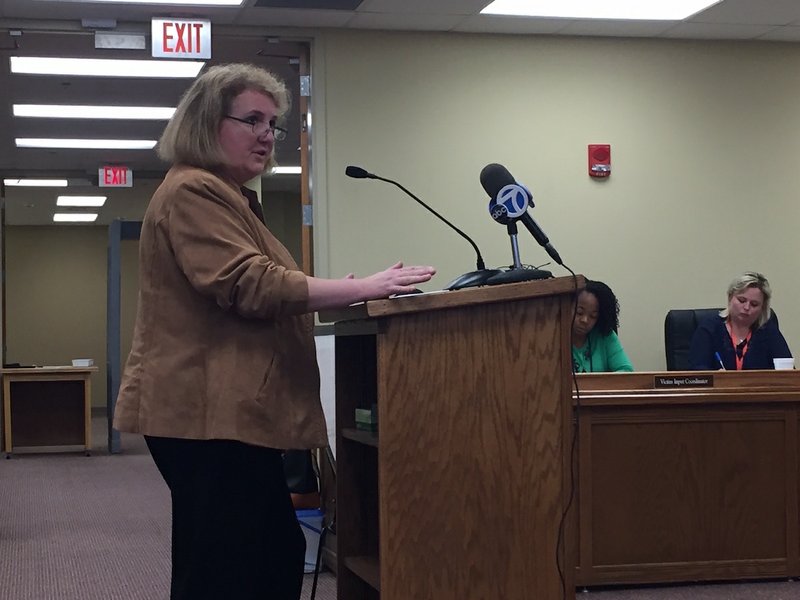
(311, 524)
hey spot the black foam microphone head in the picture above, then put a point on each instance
(356, 172)
(494, 178)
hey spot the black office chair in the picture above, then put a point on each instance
(679, 328)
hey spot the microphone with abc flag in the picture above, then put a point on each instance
(471, 279)
(509, 202)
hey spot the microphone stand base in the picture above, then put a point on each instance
(517, 275)
(472, 279)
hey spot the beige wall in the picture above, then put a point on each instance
(56, 297)
(705, 140)
(284, 218)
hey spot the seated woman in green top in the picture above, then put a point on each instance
(595, 345)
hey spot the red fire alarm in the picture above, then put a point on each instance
(599, 160)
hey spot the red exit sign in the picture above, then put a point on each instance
(181, 38)
(115, 176)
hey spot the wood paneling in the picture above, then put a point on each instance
(696, 483)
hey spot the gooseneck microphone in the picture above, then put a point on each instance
(358, 173)
(508, 202)
(473, 278)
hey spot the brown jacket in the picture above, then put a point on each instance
(222, 348)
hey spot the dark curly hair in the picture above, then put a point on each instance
(608, 306)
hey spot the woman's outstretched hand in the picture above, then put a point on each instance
(397, 279)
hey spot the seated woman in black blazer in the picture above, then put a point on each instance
(743, 336)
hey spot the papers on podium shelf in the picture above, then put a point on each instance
(82, 362)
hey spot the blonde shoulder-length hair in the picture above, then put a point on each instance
(751, 279)
(192, 134)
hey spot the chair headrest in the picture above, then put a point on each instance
(679, 327)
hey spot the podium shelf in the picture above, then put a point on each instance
(363, 437)
(366, 568)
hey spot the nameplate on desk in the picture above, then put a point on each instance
(694, 381)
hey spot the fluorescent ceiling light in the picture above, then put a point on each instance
(287, 170)
(83, 143)
(81, 200)
(74, 217)
(75, 111)
(180, 2)
(35, 182)
(105, 67)
(646, 10)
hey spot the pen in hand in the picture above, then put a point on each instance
(719, 360)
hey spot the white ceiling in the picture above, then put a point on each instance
(729, 19)
(54, 27)
(777, 20)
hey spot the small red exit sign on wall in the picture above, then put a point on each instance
(115, 176)
(181, 38)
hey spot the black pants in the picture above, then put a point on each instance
(234, 531)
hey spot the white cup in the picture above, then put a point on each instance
(783, 363)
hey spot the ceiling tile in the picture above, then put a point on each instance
(284, 17)
(309, 4)
(439, 7)
(711, 31)
(512, 25)
(617, 28)
(63, 9)
(410, 22)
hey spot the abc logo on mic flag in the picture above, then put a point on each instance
(514, 199)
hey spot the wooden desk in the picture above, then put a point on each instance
(688, 483)
(47, 406)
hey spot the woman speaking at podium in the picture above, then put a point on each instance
(745, 335)
(222, 373)
(595, 345)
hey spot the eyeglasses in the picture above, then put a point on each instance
(262, 127)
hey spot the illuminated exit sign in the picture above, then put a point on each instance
(181, 38)
(115, 176)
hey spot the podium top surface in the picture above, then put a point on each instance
(451, 299)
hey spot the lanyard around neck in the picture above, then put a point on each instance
(740, 349)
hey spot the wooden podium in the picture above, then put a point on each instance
(460, 493)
